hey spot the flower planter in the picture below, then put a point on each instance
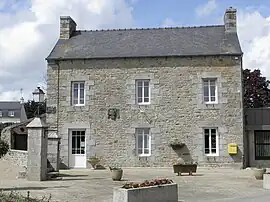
(117, 173)
(266, 181)
(185, 168)
(158, 193)
(258, 173)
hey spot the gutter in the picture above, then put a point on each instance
(58, 97)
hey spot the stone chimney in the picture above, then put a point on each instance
(230, 20)
(67, 27)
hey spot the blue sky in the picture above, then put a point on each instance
(31, 27)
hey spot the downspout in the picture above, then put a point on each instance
(58, 96)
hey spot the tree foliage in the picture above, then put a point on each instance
(4, 147)
(256, 91)
(32, 110)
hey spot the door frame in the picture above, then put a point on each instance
(70, 145)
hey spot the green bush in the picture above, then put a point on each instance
(16, 197)
(4, 147)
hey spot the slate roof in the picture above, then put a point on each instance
(6, 106)
(154, 42)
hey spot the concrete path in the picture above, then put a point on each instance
(209, 184)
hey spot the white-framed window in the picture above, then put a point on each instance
(210, 94)
(11, 113)
(143, 141)
(211, 143)
(78, 93)
(143, 91)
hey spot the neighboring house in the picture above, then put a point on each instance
(125, 95)
(12, 112)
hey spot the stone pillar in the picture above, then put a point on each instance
(37, 150)
(53, 150)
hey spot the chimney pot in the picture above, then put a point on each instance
(230, 20)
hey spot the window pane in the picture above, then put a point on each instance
(213, 91)
(139, 100)
(205, 83)
(146, 99)
(146, 83)
(212, 82)
(206, 151)
(75, 86)
(213, 99)
(206, 91)
(213, 141)
(73, 142)
(75, 95)
(146, 151)
(206, 98)
(213, 151)
(206, 142)
(213, 131)
(81, 86)
(140, 92)
(146, 141)
(81, 96)
(140, 142)
(139, 150)
(146, 91)
(139, 83)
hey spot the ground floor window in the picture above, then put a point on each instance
(211, 147)
(19, 141)
(143, 141)
(262, 144)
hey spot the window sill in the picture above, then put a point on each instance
(78, 105)
(144, 103)
(211, 103)
(144, 155)
(211, 155)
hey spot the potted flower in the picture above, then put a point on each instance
(185, 167)
(176, 144)
(93, 160)
(117, 173)
(258, 172)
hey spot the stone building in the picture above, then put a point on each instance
(144, 97)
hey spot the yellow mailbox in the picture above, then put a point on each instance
(232, 148)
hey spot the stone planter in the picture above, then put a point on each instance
(117, 174)
(258, 173)
(159, 193)
(266, 181)
(185, 168)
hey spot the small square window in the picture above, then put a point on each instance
(143, 92)
(11, 113)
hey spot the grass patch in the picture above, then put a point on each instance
(16, 197)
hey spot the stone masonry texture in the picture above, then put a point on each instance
(176, 110)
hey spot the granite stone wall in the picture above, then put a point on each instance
(176, 110)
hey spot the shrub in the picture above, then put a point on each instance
(16, 197)
(4, 147)
(147, 183)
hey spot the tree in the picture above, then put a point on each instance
(256, 91)
(4, 147)
(31, 108)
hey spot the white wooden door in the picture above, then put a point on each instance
(77, 156)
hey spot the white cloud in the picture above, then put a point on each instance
(254, 35)
(28, 36)
(207, 8)
(168, 22)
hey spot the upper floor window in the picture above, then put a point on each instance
(211, 146)
(11, 113)
(210, 91)
(143, 140)
(143, 91)
(78, 93)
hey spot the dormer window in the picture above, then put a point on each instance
(11, 113)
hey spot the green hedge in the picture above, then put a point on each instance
(4, 147)
(16, 197)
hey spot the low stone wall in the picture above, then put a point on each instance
(17, 157)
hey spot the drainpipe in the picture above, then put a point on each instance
(58, 96)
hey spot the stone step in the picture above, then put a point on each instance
(52, 175)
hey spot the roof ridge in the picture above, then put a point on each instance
(152, 28)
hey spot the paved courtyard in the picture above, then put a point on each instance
(209, 184)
